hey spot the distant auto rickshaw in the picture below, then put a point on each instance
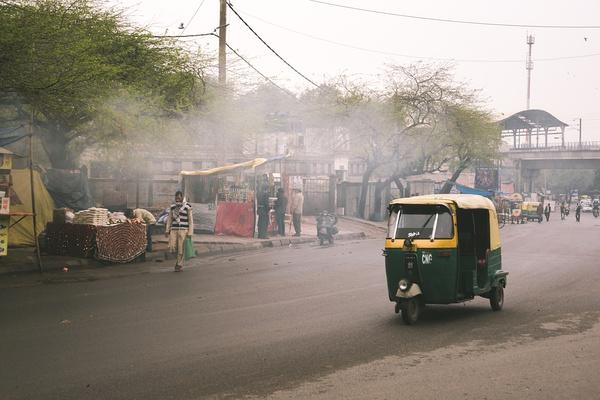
(529, 211)
(442, 249)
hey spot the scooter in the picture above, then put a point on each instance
(326, 227)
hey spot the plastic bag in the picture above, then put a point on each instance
(188, 248)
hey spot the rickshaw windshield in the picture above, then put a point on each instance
(420, 222)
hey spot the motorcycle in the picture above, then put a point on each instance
(326, 227)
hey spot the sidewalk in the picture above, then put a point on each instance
(24, 259)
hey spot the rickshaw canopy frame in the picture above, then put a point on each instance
(463, 201)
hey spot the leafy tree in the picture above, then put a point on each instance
(469, 134)
(411, 105)
(61, 61)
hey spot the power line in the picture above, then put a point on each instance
(240, 56)
(192, 18)
(391, 53)
(11, 130)
(184, 36)
(269, 47)
(456, 21)
(256, 70)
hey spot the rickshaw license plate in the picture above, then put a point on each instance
(410, 261)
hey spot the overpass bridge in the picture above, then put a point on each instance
(529, 150)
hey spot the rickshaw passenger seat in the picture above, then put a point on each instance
(465, 243)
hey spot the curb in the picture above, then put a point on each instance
(215, 249)
(207, 249)
(364, 221)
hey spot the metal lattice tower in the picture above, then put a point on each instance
(529, 67)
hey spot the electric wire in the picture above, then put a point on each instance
(192, 18)
(391, 53)
(269, 47)
(237, 54)
(455, 21)
(11, 130)
(256, 70)
(183, 36)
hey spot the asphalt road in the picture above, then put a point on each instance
(309, 322)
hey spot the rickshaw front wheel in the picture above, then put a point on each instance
(411, 310)
(497, 298)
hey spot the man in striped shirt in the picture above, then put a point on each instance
(180, 225)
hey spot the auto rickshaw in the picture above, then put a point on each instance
(530, 211)
(442, 249)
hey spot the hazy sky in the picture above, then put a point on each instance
(568, 88)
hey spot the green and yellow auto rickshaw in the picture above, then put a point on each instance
(529, 211)
(442, 249)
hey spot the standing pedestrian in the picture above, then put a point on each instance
(296, 210)
(180, 225)
(262, 209)
(547, 212)
(147, 218)
(578, 212)
(280, 207)
(540, 212)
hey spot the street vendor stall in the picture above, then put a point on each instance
(97, 233)
(223, 198)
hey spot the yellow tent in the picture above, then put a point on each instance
(21, 234)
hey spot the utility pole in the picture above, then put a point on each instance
(32, 190)
(222, 42)
(529, 67)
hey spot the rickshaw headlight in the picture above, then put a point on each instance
(403, 285)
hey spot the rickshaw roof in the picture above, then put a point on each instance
(465, 201)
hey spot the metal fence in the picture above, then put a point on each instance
(568, 146)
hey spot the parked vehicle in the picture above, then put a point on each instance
(442, 249)
(529, 210)
(326, 228)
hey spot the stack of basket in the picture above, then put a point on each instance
(92, 216)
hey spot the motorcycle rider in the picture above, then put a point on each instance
(326, 226)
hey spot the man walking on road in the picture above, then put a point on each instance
(540, 212)
(296, 210)
(180, 225)
(547, 212)
(280, 207)
(578, 211)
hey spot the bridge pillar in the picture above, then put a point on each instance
(528, 178)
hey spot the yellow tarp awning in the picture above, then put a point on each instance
(21, 234)
(227, 168)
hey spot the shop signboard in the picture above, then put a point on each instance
(486, 178)
(5, 206)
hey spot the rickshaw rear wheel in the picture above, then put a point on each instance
(497, 298)
(411, 310)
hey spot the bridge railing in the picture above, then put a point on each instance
(568, 146)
